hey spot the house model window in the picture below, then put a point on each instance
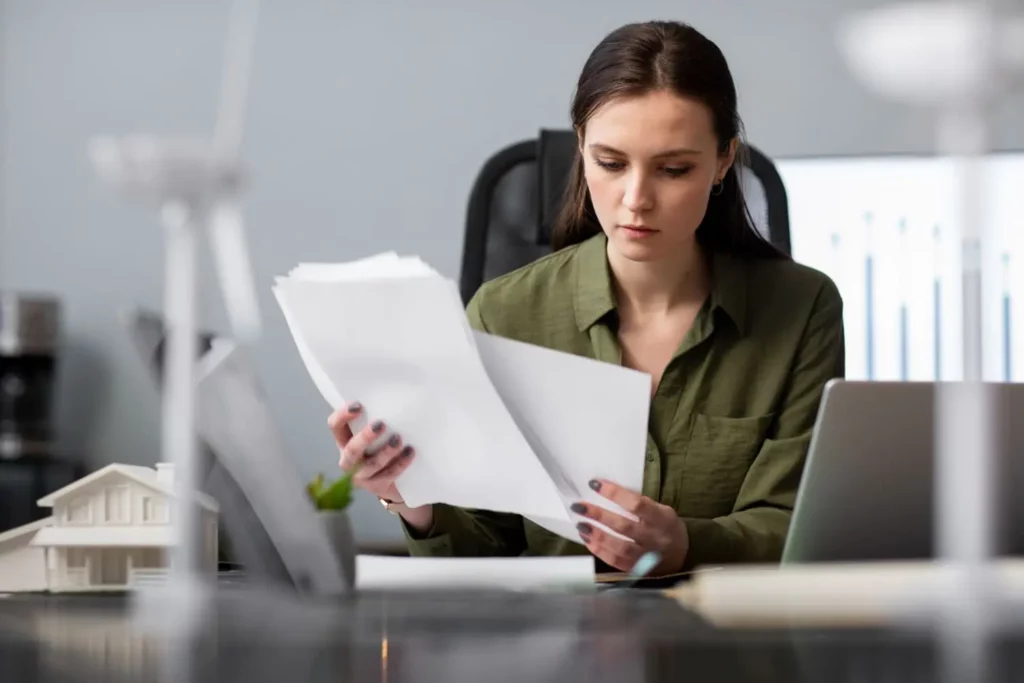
(153, 511)
(79, 511)
(118, 502)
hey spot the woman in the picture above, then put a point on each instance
(657, 266)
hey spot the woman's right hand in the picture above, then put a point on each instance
(376, 473)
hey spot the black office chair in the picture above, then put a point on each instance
(518, 192)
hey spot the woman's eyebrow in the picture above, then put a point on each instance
(678, 151)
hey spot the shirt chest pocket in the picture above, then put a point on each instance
(717, 454)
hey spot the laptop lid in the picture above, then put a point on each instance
(867, 491)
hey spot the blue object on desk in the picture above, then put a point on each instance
(645, 565)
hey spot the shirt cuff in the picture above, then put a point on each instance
(710, 543)
(434, 543)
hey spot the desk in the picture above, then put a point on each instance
(618, 636)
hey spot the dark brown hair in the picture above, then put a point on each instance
(640, 58)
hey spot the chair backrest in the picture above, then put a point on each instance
(519, 190)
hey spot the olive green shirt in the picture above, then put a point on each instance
(730, 421)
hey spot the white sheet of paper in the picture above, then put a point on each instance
(385, 265)
(400, 346)
(382, 572)
(316, 372)
(531, 426)
(590, 416)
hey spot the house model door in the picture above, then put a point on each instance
(113, 567)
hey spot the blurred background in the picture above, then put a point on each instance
(367, 125)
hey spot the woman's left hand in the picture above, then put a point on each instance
(658, 528)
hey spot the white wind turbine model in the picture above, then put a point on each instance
(958, 59)
(196, 184)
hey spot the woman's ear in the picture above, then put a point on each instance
(726, 159)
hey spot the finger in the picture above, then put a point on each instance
(638, 531)
(396, 467)
(630, 501)
(373, 464)
(338, 422)
(354, 451)
(614, 551)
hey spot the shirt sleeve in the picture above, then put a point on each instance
(756, 529)
(460, 532)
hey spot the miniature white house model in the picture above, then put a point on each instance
(109, 530)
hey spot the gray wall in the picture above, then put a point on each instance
(368, 121)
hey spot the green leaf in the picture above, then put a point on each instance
(337, 496)
(315, 487)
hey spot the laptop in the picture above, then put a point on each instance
(273, 529)
(868, 487)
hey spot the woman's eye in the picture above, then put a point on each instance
(610, 165)
(614, 166)
(677, 171)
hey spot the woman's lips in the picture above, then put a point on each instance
(637, 231)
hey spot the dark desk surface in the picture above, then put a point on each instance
(448, 638)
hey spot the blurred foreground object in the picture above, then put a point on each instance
(829, 595)
(945, 55)
(195, 183)
(958, 59)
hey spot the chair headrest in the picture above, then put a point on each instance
(556, 150)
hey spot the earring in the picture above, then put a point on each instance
(717, 188)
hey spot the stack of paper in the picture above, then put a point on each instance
(524, 573)
(497, 424)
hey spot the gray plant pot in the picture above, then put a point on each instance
(339, 531)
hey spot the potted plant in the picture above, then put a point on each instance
(331, 501)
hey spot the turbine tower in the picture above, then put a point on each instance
(195, 184)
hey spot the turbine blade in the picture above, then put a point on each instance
(238, 54)
(234, 270)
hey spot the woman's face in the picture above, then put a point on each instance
(650, 162)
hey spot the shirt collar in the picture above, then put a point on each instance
(594, 298)
(729, 288)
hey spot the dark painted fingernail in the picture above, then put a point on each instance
(407, 452)
(578, 508)
(355, 407)
(584, 528)
(377, 427)
(595, 484)
(394, 440)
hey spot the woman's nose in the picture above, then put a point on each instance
(637, 196)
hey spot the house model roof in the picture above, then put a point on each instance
(159, 480)
(30, 528)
